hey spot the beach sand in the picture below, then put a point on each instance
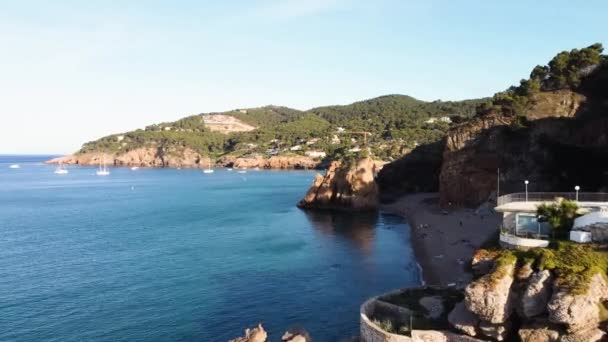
(444, 240)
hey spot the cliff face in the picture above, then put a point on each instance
(186, 158)
(344, 186)
(144, 157)
(274, 162)
(558, 146)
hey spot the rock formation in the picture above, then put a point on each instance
(257, 334)
(490, 296)
(144, 157)
(344, 186)
(184, 158)
(536, 295)
(578, 311)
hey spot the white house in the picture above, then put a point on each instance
(340, 129)
(354, 149)
(296, 148)
(316, 154)
(521, 227)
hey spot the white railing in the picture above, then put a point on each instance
(551, 196)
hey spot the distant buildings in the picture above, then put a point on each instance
(296, 148)
(340, 129)
(445, 119)
(316, 154)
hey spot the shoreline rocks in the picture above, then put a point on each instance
(186, 158)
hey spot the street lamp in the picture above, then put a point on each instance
(577, 188)
(526, 183)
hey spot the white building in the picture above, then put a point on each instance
(295, 148)
(340, 129)
(316, 154)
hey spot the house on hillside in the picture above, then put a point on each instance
(522, 228)
(296, 148)
(316, 154)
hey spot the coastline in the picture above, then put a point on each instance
(444, 240)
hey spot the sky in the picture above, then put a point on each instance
(74, 71)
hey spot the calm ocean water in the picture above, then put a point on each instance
(178, 255)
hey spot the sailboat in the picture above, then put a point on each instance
(14, 166)
(61, 170)
(103, 170)
(209, 169)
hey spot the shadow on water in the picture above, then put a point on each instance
(358, 228)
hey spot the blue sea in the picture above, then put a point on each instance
(179, 255)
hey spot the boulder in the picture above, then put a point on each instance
(498, 332)
(490, 297)
(257, 334)
(296, 335)
(538, 335)
(536, 294)
(578, 311)
(589, 335)
(464, 320)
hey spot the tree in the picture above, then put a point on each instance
(560, 215)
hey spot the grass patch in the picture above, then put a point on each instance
(573, 264)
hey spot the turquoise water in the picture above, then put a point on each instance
(178, 255)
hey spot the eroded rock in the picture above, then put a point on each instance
(580, 311)
(344, 186)
(257, 334)
(536, 294)
(498, 332)
(490, 296)
(463, 319)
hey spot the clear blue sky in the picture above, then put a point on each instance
(73, 71)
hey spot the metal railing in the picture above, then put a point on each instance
(551, 196)
(528, 235)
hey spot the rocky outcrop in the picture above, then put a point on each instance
(344, 186)
(185, 158)
(143, 157)
(257, 334)
(490, 296)
(274, 162)
(536, 295)
(578, 311)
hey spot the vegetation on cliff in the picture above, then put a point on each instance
(394, 124)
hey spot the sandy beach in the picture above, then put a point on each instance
(444, 239)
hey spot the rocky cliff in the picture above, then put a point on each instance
(532, 304)
(185, 158)
(561, 143)
(345, 185)
(144, 157)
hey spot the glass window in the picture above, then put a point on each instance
(528, 224)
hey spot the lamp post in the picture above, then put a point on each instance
(526, 183)
(577, 188)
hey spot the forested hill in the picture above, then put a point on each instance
(395, 123)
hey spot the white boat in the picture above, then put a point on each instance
(228, 169)
(257, 169)
(61, 170)
(209, 169)
(242, 171)
(134, 168)
(15, 166)
(103, 170)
